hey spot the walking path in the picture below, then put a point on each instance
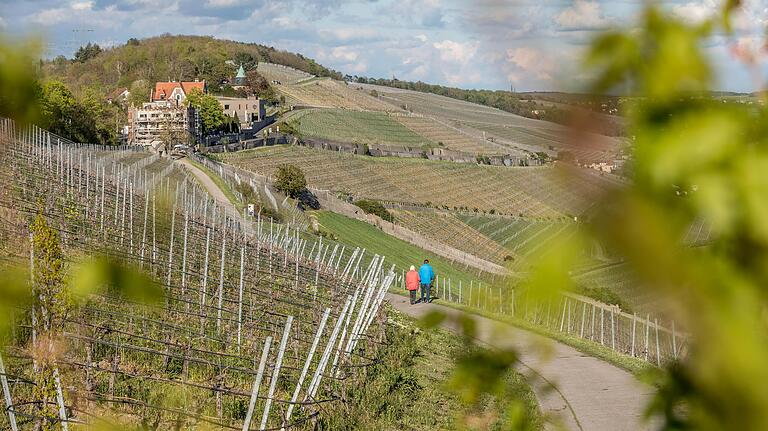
(216, 193)
(590, 395)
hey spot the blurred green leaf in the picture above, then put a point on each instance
(100, 273)
(432, 319)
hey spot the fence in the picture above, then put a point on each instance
(641, 337)
(220, 276)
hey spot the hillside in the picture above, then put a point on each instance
(549, 192)
(501, 131)
(172, 57)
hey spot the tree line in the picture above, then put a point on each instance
(548, 108)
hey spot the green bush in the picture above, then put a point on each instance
(290, 180)
(376, 208)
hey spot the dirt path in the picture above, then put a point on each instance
(590, 395)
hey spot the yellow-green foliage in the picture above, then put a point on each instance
(52, 300)
(717, 154)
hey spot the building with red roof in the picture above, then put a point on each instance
(175, 91)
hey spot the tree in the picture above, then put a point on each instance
(133, 42)
(290, 180)
(139, 92)
(245, 59)
(57, 104)
(258, 85)
(210, 110)
(87, 52)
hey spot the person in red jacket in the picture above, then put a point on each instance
(412, 283)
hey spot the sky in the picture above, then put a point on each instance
(493, 44)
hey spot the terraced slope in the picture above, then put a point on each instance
(448, 229)
(284, 74)
(327, 93)
(509, 130)
(451, 138)
(618, 278)
(341, 125)
(545, 192)
(520, 237)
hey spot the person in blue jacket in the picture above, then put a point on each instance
(426, 275)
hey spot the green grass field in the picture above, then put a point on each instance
(398, 252)
(356, 127)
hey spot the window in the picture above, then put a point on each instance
(226, 106)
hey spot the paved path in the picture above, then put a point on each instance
(216, 193)
(590, 395)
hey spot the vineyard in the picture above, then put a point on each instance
(356, 127)
(451, 139)
(542, 192)
(508, 130)
(448, 229)
(327, 93)
(284, 74)
(252, 327)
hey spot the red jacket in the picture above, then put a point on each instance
(412, 280)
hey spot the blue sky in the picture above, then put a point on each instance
(528, 44)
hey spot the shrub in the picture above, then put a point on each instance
(290, 180)
(307, 200)
(376, 208)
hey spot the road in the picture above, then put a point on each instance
(589, 395)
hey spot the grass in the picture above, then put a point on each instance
(398, 252)
(412, 387)
(357, 127)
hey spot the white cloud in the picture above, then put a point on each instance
(531, 61)
(49, 17)
(359, 67)
(82, 5)
(2, 22)
(456, 52)
(344, 53)
(421, 37)
(583, 14)
(696, 12)
(222, 3)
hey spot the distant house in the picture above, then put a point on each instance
(247, 110)
(163, 122)
(175, 92)
(118, 95)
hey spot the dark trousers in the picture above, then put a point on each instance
(425, 288)
(413, 296)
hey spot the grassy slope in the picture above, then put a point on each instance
(399, 252)
(357, 127)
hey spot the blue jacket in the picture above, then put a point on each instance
(426, 274)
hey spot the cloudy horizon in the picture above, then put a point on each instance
(491, 44)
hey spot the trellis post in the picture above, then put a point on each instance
(257, 384)
(276, 371)
(7, 396)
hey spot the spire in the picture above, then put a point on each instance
(240, 72)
